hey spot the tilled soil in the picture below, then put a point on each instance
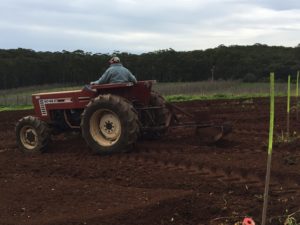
(175, 180)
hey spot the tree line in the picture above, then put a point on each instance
(26, 67)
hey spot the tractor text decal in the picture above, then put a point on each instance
(44, 102)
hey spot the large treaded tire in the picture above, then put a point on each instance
(159, 116)
(33, 135)
(110, 124)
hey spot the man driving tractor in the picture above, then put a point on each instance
(116, 73)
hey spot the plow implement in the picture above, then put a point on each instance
(175, 117)
(207, 132)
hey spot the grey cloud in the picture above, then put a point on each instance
(144, 25)
(274, 4)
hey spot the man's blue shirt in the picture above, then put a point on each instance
(116, 73)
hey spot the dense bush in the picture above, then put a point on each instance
(249, 77)
(23, 67)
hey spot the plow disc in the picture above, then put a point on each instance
(212, 133)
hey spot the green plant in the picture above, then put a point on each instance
(286, 138)
(290, 220)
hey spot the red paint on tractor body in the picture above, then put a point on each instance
(45, 102)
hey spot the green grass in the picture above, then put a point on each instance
(15, 107)
(183, 98)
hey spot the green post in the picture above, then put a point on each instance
(288, 107)
(297, 94)
(270, 147)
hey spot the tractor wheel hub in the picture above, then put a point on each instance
(105, 127)
(29, 137)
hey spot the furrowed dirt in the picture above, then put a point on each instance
(175, 180)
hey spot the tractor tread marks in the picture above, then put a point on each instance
(210, 173)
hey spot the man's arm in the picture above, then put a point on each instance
(103, 79)
(132, 77)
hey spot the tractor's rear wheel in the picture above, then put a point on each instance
(109, 124)
(33, 135)
(160, 116)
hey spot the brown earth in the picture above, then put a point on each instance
(175, 180)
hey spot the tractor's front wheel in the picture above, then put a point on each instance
(33, 135)
(109, 124)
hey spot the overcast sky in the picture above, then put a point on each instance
(138, 26)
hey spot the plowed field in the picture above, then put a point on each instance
(175, 180)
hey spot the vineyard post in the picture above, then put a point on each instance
(288, 107)
(297, 95)
(270, 148)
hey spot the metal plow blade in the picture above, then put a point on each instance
(211, 134)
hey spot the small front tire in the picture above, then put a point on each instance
(33, 135)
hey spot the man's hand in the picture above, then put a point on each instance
(92, 83)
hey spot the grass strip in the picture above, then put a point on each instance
(15, 107)
(183, 98)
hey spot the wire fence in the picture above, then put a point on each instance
(7, 100)
(22, 96)
(208, 88)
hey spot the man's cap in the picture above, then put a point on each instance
(114, 59)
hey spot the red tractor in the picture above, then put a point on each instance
(111, 117)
